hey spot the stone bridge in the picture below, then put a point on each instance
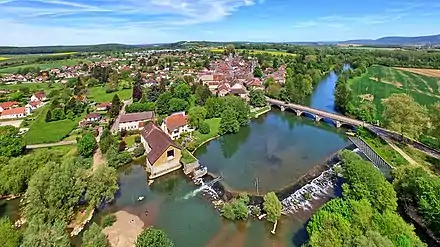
(318, 115)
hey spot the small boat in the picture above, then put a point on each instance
(141, 198)
(350, 133)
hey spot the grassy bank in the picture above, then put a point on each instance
(214, 124)
(42, 132)
(43, 65)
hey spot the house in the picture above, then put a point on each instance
(33, 105)
(176, 124)
(103, 106)
(8, 105)
(92, 117)
(238, 90)
(39, 96)
(255, 84)
(18, 112)
(223, 89)
(135, 121)
(163, 154)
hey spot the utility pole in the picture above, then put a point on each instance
(256, 185)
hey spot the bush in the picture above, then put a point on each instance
(108, 220)
(191, 146)
(137, 139)
(139, 151)
(204, 128)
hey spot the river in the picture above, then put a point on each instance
(276, 148)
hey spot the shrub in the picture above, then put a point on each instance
(204, 128)
(191, 146)
(108, 220)
(139, 151)
(137, 139)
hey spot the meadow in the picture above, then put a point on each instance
(33, 87)
(42, 132)
(98, 94)
(43, 65)
(380, 82)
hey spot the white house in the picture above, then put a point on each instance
(18, 112)
(134, 121)
(176, 124)
(39, 96)
(33, 105)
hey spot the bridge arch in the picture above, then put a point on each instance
(348, 126)
(309, 115)
(329, 121)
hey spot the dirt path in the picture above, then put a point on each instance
(61, 143)
(401, 152)
(98, 160)
(124, 231)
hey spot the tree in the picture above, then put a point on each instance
(87, 145)
(214, 107)
(152, 93)
(182, 91)
(152, 237)
(435, 121)
(239, 106)
(403, 115)
(137, 92)
(106, 140)
(257, 98)
(202, 94)
(196, 115)
(140, 107)
(93, 237)
(115, 107)
(9, 236)
(229, 122)
(230, 49)
(102, 186)
(343, 96)
(163, 103)
(272, 206)
(177, 105)
(228, 211)
(204, 128)
(11, 143)
(45, 234)
(54, 191)
(257, 72)
(48, 116)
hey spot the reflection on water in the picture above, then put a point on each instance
(277, 149)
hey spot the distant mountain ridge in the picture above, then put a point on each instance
(396, 40)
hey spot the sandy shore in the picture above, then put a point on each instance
(124, 231)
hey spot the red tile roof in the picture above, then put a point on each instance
(104, 104)
(40, 95)
(9, 104)
(175, 121)
(35, 103)
(93, 115)
(158, 141)
(13, 111)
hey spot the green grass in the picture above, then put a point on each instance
(414, 85)
(259, 111)
(187, 157)
(67, 150)
(42, 65)
(129, 140)
(272, 52)
(98, 94)
(214, 124)
(422, 158)
(33, 87)
(42, 132)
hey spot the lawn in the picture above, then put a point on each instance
(214, 124)
(187, 157)
(381, 82)
(42, 132)
(129, 140)
(67, 150)
(43, 65)
(98, 94)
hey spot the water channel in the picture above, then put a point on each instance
(276, 148)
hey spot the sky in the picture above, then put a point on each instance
(74, 22)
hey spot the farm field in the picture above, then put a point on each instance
(380, 82)
(425, 72)
(3, 58)
(98, 94)
(42, 132)
(272, 52)
(43, 65)
(33, 87)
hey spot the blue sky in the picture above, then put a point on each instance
(69, 22)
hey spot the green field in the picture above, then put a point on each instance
(3, 58)
(98, 94)
(381, 82)
(272, 52)
(33, 87)
(42, 132)
(43, 65)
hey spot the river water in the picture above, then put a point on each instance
(276, 148)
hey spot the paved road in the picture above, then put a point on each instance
(115, 125)
(46, 145)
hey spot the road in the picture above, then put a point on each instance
(46, 145)
(115, 125)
